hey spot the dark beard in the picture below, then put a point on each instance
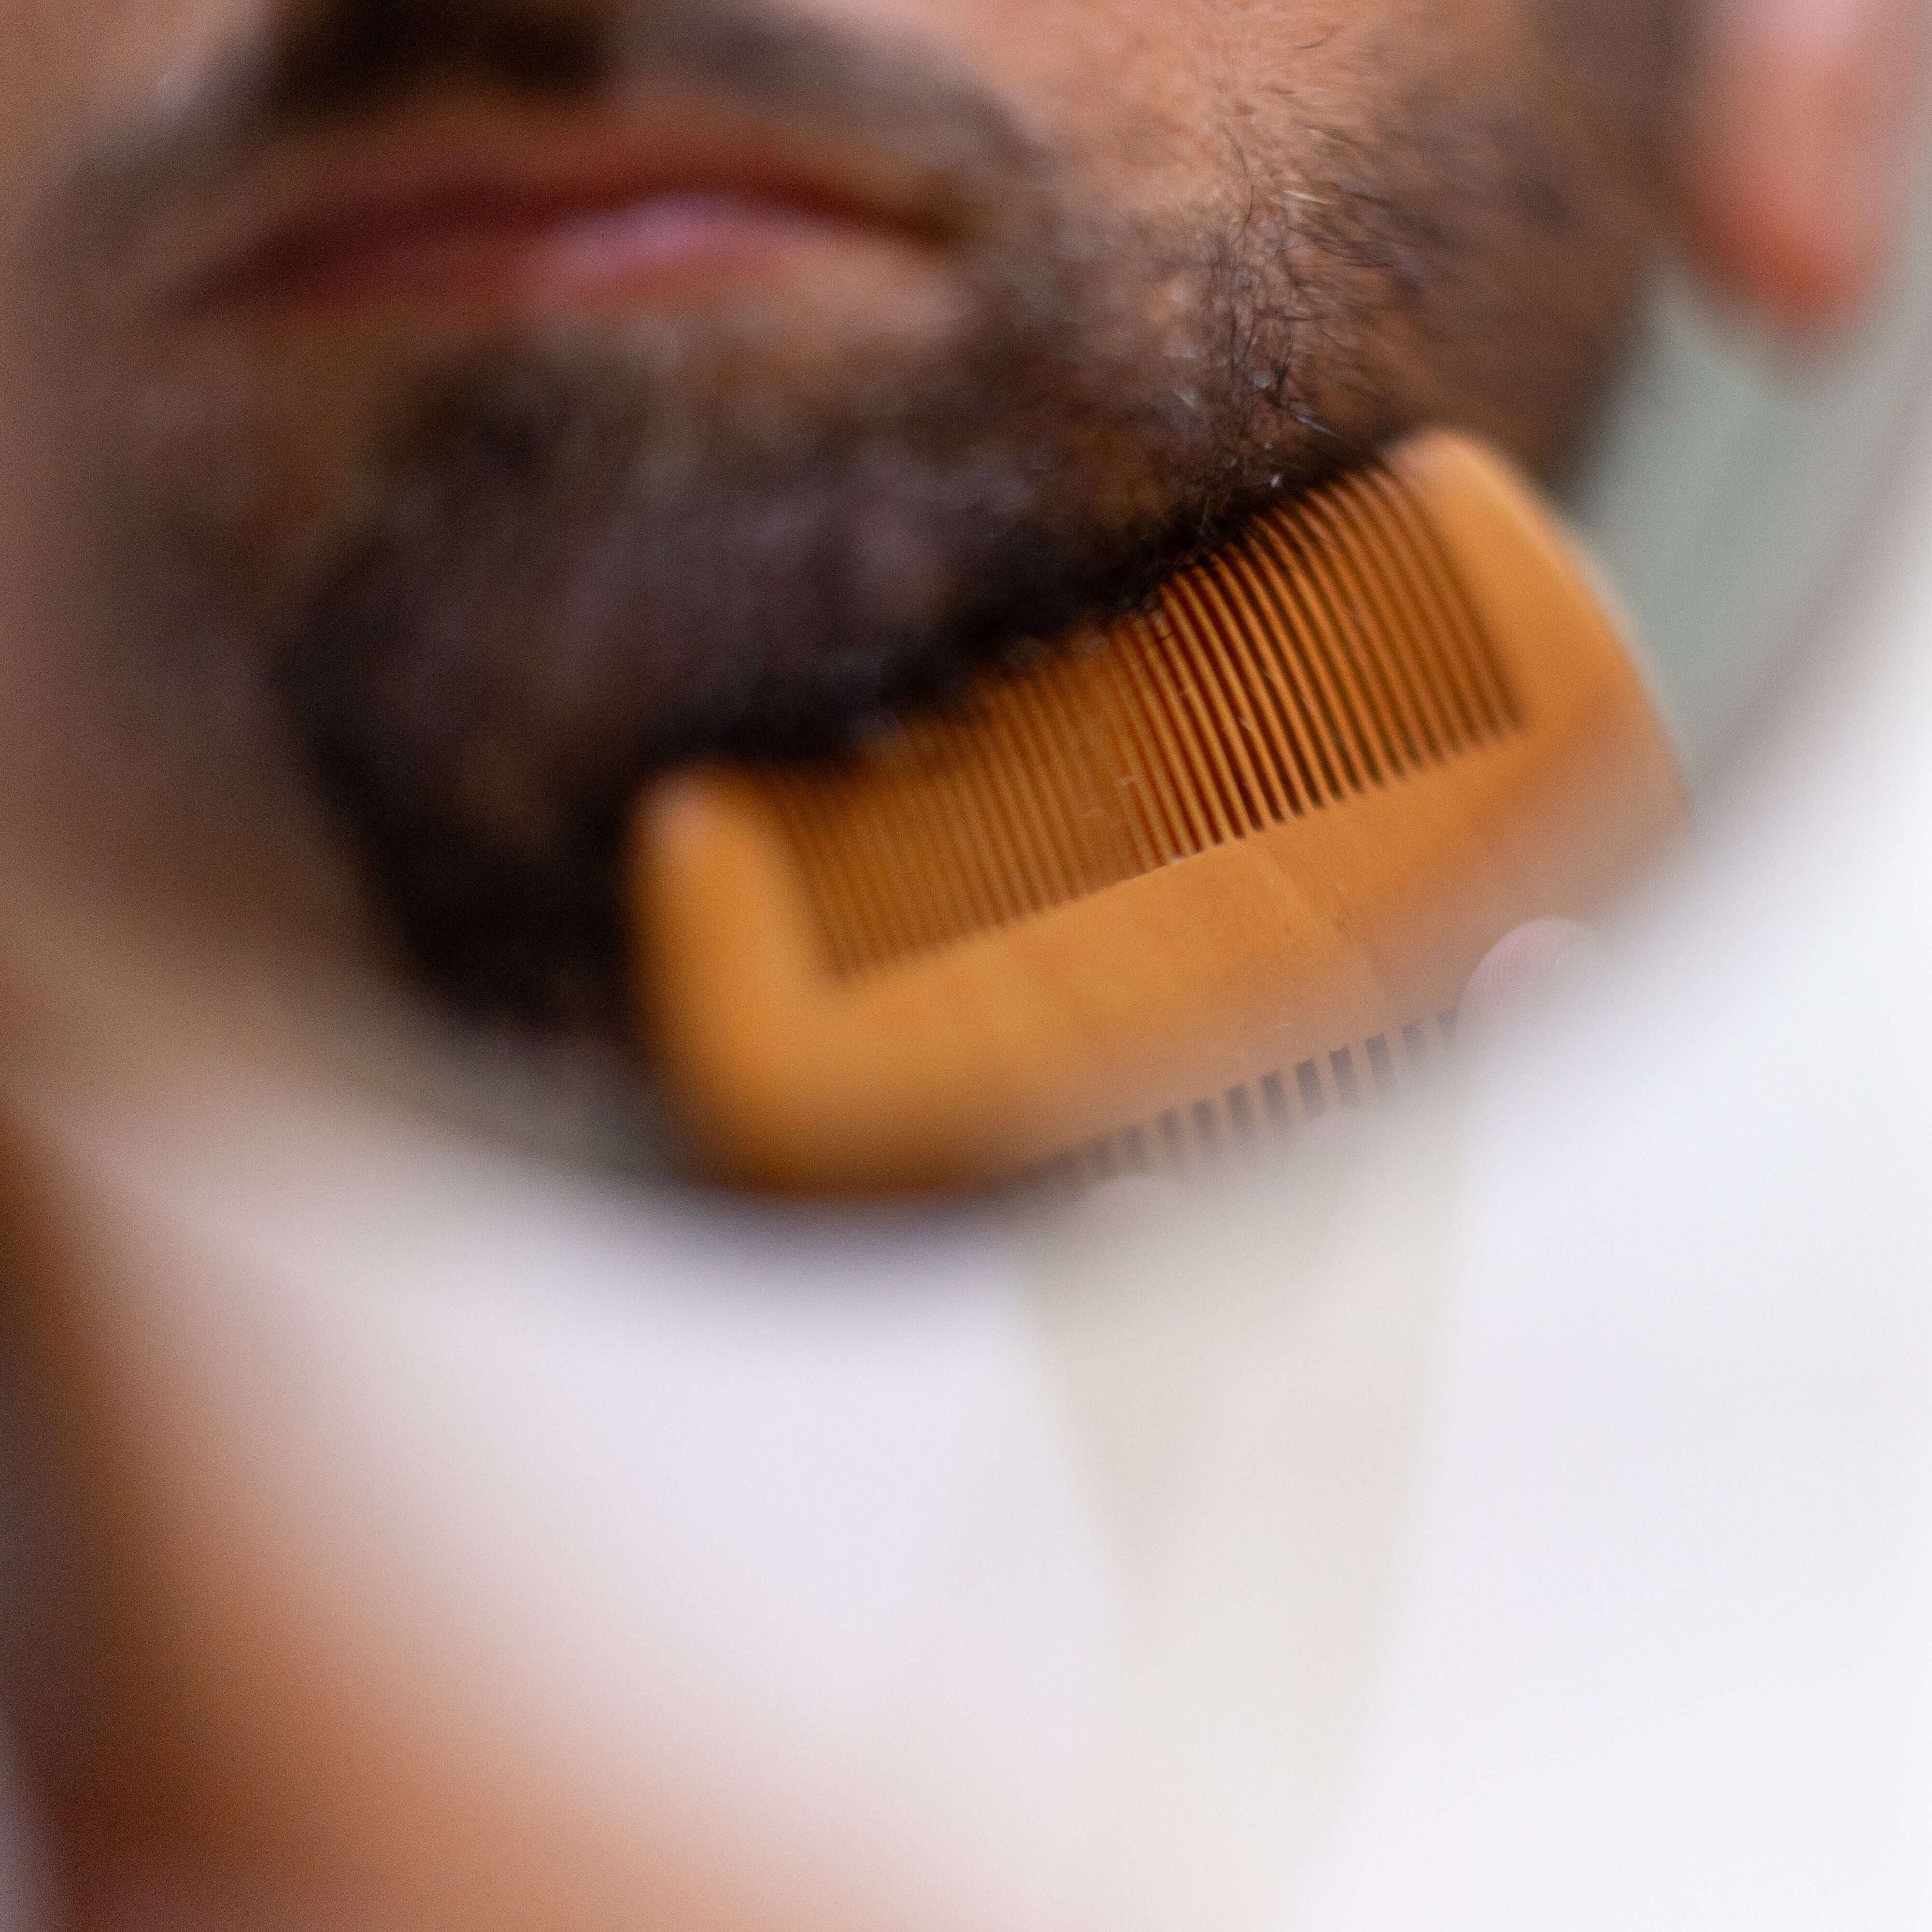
(577, 562)
(579, 575)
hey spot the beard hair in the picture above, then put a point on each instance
(574, 580)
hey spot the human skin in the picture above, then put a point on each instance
(1774, 162)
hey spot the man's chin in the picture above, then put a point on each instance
(556, 599)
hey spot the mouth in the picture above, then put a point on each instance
(536, 214)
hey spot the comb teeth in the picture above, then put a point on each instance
(1331, 651)
(1272, 1111)
(1186, 885)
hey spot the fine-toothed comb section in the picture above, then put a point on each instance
(1184, 884)
(1331, 650)
(1271, 1111)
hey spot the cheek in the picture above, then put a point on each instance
(77, 69)
(1125, 89)
(1165, 106)
(74, 74)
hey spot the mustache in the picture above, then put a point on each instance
(356, 61)
(356, 57)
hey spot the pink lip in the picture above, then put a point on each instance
(457, 211)
(533, 259)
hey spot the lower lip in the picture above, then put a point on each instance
(659, 251)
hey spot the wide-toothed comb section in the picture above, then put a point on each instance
(1333, 649)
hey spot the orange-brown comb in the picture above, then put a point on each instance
(1194, 880)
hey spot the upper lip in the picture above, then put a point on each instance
(461, 164)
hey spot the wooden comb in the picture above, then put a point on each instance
(1194, 880)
